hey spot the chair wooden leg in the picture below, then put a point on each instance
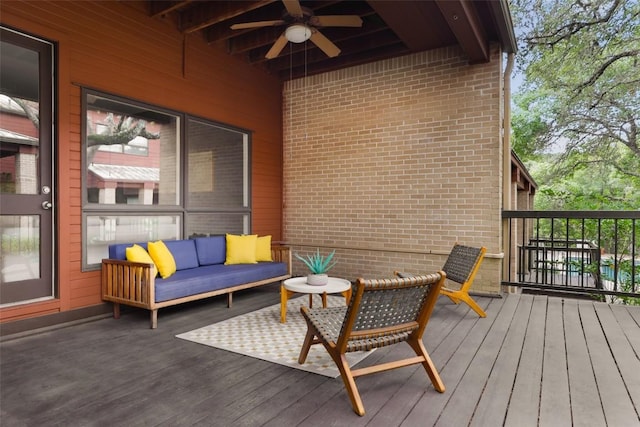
(432, 372)
(459, 296)
(452, 298)
(347, 379)
(306, 345)
(474, 306)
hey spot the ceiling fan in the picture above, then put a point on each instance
(302, 25)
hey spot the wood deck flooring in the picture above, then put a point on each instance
(534, 361)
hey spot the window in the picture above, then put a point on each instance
(127, 147)
(218, 177)
(134, 189)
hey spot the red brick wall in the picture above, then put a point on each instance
(115, 47)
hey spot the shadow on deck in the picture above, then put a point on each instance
(534, 360)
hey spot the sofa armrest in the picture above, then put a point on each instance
(129, 282)
(281, 253)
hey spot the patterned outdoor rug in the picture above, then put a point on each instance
(260, 334)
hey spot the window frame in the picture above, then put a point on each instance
(181, 209)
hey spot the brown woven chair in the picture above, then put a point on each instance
(461, 267)
(381, 312)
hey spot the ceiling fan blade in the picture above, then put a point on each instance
(257, 24)
(337, 21)
(277, 47)
(293, 7)
(325, 44)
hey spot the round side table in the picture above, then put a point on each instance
(299, 285)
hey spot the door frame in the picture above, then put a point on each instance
(45, 287)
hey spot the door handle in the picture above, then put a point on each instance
(46, 205)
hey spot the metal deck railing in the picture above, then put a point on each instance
(595, 253)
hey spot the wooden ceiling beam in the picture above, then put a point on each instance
(417, 23)
(405, 26)
(464, 21)
(161, 8)
(207, 14)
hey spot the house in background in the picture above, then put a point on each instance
(389, 152)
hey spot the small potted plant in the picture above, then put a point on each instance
(318, 266)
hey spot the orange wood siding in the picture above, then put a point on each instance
(117, 48)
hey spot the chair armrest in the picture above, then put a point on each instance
(127, 281)
(281, 253)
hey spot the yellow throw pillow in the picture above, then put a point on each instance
(263, 249)
(162, 258)
(136, 253)
(241, 249)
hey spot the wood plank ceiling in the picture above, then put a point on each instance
(389, 29)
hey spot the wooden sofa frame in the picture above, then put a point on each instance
(132, 283)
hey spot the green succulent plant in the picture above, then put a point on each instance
(317, 263)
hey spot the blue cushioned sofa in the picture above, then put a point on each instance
(200, 273)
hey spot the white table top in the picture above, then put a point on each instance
(299, 284)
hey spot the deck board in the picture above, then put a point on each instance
(454, 374)
(629, 325)
(627, 360)
(523, 407)
(586, 408)
(464, 398)
(493, 404)
(555, 403)
(534, 360)
(635, 314)
(616, 404)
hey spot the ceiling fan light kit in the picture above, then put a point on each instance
(298, 33)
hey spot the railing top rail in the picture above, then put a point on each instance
(573, 214)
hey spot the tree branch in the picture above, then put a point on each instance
(571, 28)
(121, 133)
(32, 114)
(603, 67)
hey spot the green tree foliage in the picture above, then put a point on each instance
(529, 129)
(576, 120)
(581, 62)
(595, 185)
